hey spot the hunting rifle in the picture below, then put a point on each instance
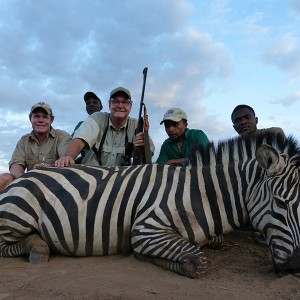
(141, 154)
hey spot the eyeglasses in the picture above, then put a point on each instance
(116, 102)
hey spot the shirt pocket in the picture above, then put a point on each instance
(30, 161)
(48, 158)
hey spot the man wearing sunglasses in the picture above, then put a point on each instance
(177, 148)
(108, 137)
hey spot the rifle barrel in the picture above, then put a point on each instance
(145, 71)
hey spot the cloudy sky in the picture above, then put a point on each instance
(203, 56)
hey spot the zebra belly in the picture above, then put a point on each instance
(94, 220)
(84, 239)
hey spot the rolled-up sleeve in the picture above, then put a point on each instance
(91, 130)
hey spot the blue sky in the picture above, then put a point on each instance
(204, 56)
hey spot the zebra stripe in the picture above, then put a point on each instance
(278, 215)
(164, 214)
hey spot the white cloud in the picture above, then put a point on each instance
(295, 5)
(252, 26)
(288, 100)
(54, 51)
(284, 53)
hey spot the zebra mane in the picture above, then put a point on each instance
(243, 148)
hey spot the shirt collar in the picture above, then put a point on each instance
(111, 125)
(51, 133)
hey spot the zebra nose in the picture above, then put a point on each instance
(292, 264)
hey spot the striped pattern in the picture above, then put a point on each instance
(161, 213)
(274, 209)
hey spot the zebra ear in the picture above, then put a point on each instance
(268, 158)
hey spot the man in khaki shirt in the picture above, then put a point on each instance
(42, 147)
(108, 138)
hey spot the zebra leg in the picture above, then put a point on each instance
(169, 251)
(216, 242)
(31, 245)
(213, 243)
(192, 266)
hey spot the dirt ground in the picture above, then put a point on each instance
(242, 271)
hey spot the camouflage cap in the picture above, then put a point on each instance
(175, 115)
(42, 105)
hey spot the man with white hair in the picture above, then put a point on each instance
(107, 138)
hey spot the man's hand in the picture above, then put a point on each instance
(139, 140)
(5, 180)
(64, 161)
(74, 148)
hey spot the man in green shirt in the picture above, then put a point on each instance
(176, 149)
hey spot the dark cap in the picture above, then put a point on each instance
(120, 90)
(42, 105)
(89, 95)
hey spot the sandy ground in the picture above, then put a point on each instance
(242, 271)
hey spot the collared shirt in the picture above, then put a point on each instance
(113, 149)
(169, 149)
(29, 151)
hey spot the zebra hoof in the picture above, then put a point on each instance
(194, 266)
(37, 258)
(216, 243)
(38, 249)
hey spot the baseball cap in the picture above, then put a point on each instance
(89, 95)
(42, 105)
(120, 90)
(175, 115)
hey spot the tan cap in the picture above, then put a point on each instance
(42, 105)
(120, 90)
(175, 115)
